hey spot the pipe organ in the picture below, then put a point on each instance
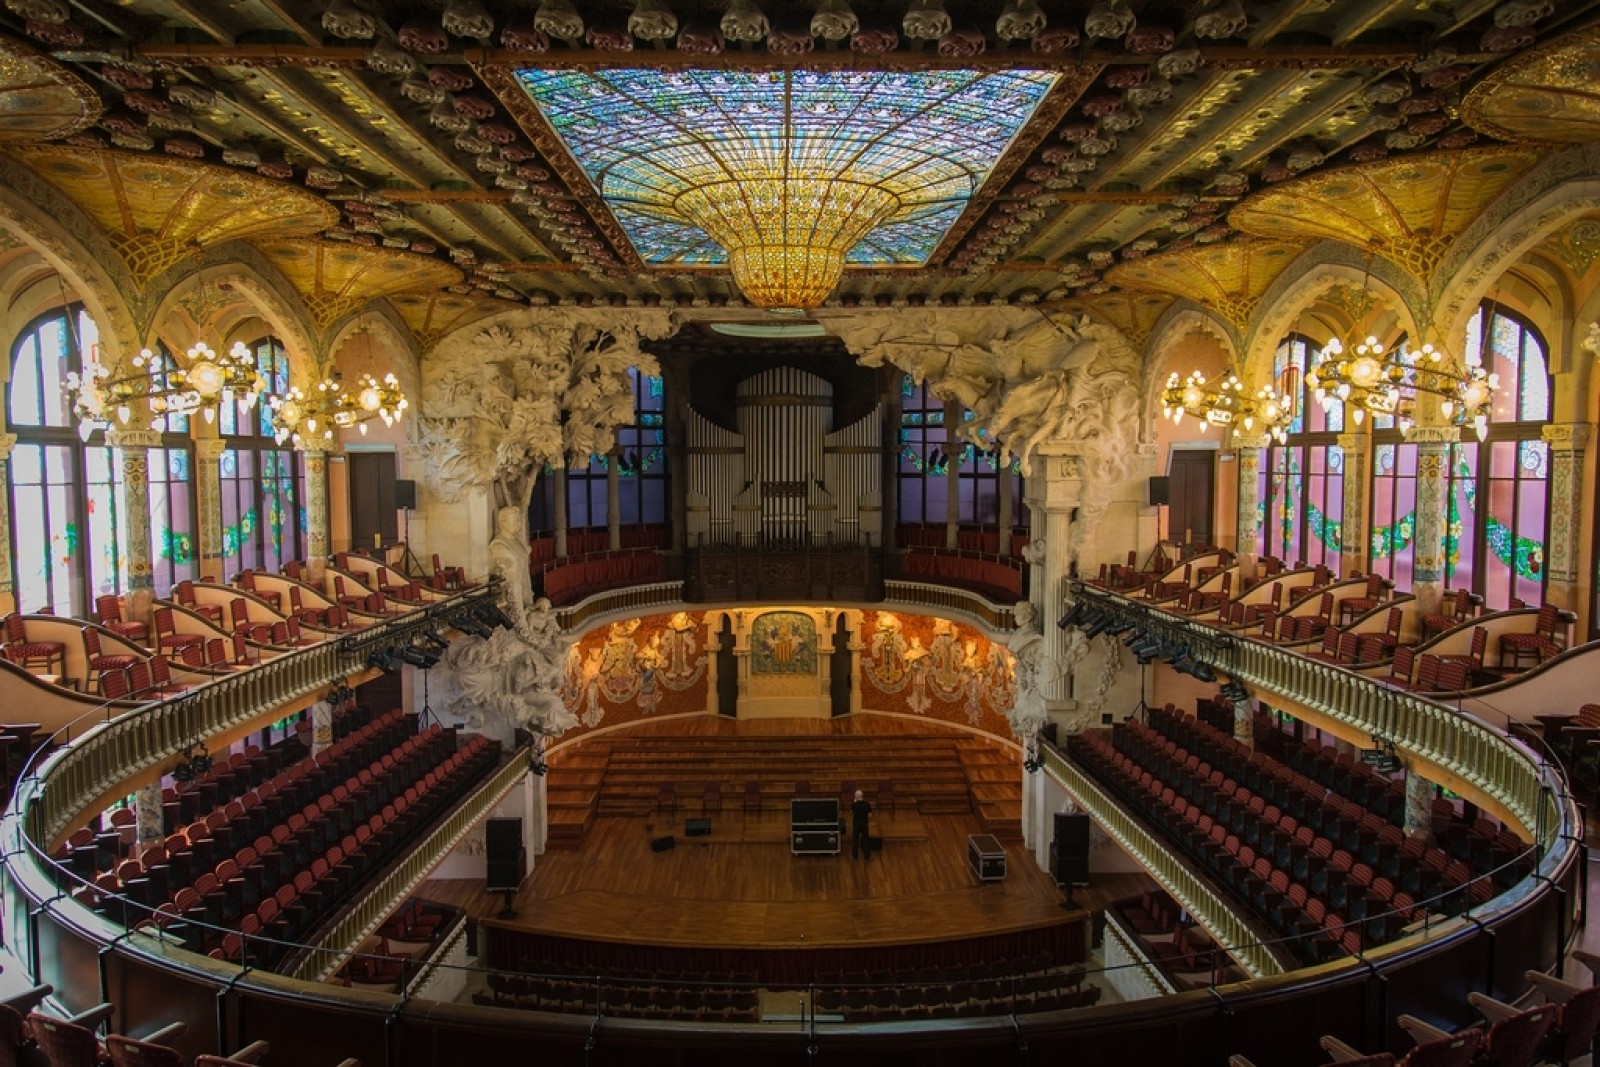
(786, 475)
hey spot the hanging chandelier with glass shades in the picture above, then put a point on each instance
(198, 382)
(303, 416)
(1223, 402)
(1372, 380)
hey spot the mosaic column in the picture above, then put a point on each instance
(150, 822)
(1419, 806)
(1354, 538)
(1562, 550)
(316, 453)
(8, 599)
(321, 726)
(208, 484)
(1433, 484)
(1250, 449)
(1053, 491)
(134, 447)
(1244, 721)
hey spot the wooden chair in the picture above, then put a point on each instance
(41, 657)
(98, 661)
(169, 641)
(1541, 644)
(109, 609)
(1353, 607)
(1452, 610)
(247, 1057)
(183, 593)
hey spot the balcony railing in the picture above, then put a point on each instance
(950, 599)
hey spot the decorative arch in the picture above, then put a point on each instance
(381, 320)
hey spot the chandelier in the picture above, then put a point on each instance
(787, 235)
(303, 416)
(1223, 402)
(163, 386)
(1373, 380)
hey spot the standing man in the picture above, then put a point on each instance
(860, 811)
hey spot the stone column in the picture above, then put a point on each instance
(1054, 490)
(150, 822)
(1244, 721)
(1433, 482)
(952, 505)
(1007, 507)
(1419, 806)
(1251, 449)
(713, 646)
(208, 484)
(8, 595)
(321, 726)
(1354, 536)
(1563, 551)
(613, 501)
(316, 458)
(134, 447)
(559, 487)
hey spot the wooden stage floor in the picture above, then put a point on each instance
(741, 887)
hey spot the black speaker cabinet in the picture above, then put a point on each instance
(696, 827)
(405, 494)
(1160, 490)
(1069, 852)
(507, 862)
(663, 844)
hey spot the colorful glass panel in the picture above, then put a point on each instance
(646, 136)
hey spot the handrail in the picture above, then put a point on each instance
(627, 598)
(950, 598)
(1497, 766)
(1186, 887)
(386, 895)
(72, 778)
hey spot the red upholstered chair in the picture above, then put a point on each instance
(183, 593)
(99, 661)
(48, 657)
(1353, 607)
(354, 601)
(71, 1042)
(246, 1057)
(1453, 610)
(1541, 644)
(150, 1052)
(168, 640)
(109, 609)
(1514, 1035)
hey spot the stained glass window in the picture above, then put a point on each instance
(642, 455)
(645, 136)
(174, 551)
(66, 495)
(263, 520)
(1394, 510)
(1303, 502)
(928, 448)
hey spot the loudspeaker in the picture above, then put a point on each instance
(663, 844)
(1069, 852)
(1160, 490)
(405, 494)
(506, 862)
(696, 827)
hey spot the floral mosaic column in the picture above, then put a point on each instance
(134, 447)
(1433, 483)
(208, 480)
(1419, 806)
(1561, 551)
(1244, 722)
(1053, 492)
(1250, 449)
(316, 453)
(1354, 538)
(150, 824)
(8, 601)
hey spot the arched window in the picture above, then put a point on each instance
(66, 494)
(642, 455)
(1302, 490)
(263, 492)
(927, 448)
(1499, 502)
(174, 552)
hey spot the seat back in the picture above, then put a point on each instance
(126, 1052)
(64, 1044)
(108, 608)
(1456, 1050)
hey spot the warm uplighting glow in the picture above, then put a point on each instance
(1372, 381)
(300, 416)
(198, 382)
(1224, 403)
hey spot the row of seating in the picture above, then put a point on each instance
(975, 1005)
(996, 578)
(1188, 956)
(568, 581)
(933, 535)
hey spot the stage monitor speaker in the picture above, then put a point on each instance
(405, 494)
(696, 827)
(1160, 490)
(663, 844)
(507, 861)
(1069, 852)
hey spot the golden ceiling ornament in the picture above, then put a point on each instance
(1409, 210)
(1547, 94)
(1223, 401)
(157, 210)
(41, 100)
(1229, 279)
(1134, 313)
(429, 316)
(336, 278)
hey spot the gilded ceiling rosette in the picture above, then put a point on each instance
(1408, 210)
(337, 278)
(1547, 94)
(41, 100)
(1228, 278)
(158, 211)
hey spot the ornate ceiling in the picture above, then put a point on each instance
(403, 134)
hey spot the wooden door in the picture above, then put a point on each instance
(372, 508)
(1192, 494)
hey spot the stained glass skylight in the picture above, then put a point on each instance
(911, 147)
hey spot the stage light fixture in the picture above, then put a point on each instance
(419, 657)
(491, 615)
(1074, 615)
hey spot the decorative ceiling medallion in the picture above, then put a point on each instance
(1550, 93)
(1228, 278)
(41, 100)
(1407, 210)
(786, 174)
(337, 278)
(159, 210)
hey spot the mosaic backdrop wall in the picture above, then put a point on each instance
(936, 669)
(637, 669)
